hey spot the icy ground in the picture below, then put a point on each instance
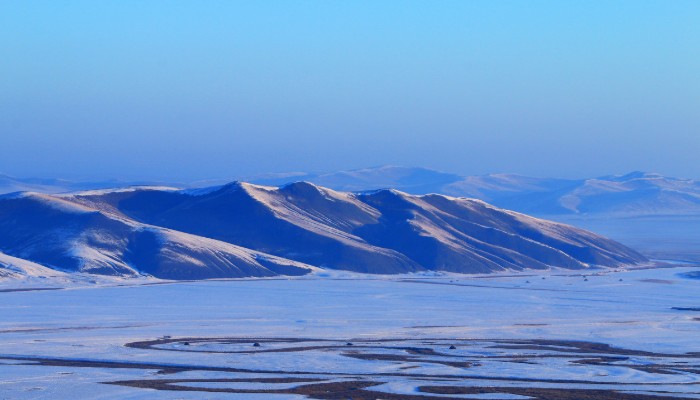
(370, 337)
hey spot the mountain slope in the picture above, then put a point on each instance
(65, 235)
(447, 233)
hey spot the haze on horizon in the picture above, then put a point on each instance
(182, 91)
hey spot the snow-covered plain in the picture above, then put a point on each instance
(510, 333)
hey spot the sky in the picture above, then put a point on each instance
(187, 90)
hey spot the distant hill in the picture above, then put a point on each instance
(242, 230)
(9, 184)
(409, 180)
(633, 194)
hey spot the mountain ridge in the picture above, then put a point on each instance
(242, 229)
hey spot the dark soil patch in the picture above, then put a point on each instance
(400, 358)
(547, 394)
(68, 328)
(361, 390)
(27, 290)
(662, 281)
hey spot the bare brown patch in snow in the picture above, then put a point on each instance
(661, 281)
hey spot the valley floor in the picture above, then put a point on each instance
(556, 335)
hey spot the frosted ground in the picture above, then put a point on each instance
(353, 336)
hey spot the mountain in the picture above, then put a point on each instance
(64, 235)
(633, 194)
(242, 229)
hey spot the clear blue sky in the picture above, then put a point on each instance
(181, 90)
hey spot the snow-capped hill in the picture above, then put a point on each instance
(313, 228)
(381, 231)
(241, 229)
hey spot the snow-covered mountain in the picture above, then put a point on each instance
(242, 229)
(633, 194)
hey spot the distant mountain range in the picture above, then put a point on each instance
(633, 194)
(9, 184)
(246, 230)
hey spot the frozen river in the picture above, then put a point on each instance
(614, 335)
